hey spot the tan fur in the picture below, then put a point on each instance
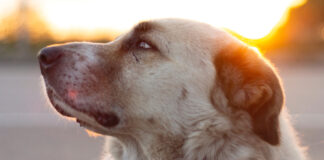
(198, 94)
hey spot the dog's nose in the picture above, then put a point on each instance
(49, 56)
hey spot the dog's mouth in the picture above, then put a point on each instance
(58, 103)
(97, 122)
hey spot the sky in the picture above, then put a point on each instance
(250, 18)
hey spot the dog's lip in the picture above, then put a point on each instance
(61, 111)
(105, 120)
(82, 123)
(57, 107)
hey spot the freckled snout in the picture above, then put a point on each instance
(77, 84)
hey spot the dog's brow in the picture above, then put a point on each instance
(139, 29)
(143, 27)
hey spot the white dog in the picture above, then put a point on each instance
(173, 89)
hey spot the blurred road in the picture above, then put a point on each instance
(31, 130)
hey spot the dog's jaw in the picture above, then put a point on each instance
(66, 109)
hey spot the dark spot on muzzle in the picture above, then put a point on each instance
(107, 120)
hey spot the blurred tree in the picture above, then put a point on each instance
(22, 29)
(22, 39)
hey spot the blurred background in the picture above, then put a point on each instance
(288, 32)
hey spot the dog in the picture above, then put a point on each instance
(173, 89)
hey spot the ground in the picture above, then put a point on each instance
(31, 130)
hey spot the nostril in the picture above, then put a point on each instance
(49, 56)
(43, 58)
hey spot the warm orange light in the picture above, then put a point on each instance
(322, 32)
(92, 134)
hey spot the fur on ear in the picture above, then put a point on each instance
(251, 84)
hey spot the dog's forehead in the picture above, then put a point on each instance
(176, 27)
(187, 30)
(144, 27)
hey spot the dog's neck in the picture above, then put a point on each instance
(148, 147)
(211, 137)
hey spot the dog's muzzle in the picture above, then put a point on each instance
(67, 84)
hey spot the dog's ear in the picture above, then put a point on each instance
(251, 84)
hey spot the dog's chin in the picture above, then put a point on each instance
(67, 110)
(57, 102)
(60, 105)
(98, 124)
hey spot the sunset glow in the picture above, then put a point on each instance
(253, 19)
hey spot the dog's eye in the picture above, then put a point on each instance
(144, 45)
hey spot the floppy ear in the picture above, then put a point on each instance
(251, 84)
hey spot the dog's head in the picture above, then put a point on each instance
(162, 77)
